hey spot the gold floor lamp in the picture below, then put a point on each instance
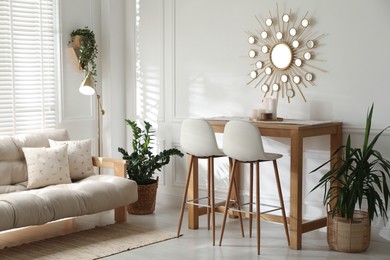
(88, 88)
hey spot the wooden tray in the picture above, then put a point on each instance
(266, 120)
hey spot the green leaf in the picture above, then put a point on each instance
(143, 163)
(360, 175)
(368, 127)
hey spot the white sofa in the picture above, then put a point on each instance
(24, 201)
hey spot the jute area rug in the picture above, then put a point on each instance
(89, 244)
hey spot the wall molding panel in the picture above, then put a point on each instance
(201, 50)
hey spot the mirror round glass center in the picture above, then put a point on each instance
(281, 56)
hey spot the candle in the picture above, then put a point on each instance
(274, 107)
(270, 105)
(267, 105)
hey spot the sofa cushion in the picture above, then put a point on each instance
(7, 215)
(12, 172)
(12, 163)
(80, 157)
(38, 139)
(90, 195)
(25, 208)
(47, 166)
(13, 188)
(104, 192)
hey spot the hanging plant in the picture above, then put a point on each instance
(84, 39)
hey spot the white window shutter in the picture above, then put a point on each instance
(28, 59)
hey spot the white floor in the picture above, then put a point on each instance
(197, 244)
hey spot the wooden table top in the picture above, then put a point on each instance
(281, 128)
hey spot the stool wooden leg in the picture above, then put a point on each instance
(258, 206)
(185, 194)
(238, 203)
(208, 192)
(227, 202)
(281, 201)
(250, 198)
(212, 200)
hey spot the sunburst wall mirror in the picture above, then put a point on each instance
(283, 55)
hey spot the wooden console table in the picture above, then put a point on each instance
(296, 131)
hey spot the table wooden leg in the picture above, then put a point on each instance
(193, 192)
(296, 190)
(336, 140)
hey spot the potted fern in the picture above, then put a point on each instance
(143, 164)
(358, 180)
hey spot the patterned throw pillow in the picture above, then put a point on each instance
(46, 166)
(80, 158)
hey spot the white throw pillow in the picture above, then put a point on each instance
(46, 166)
(80, 158)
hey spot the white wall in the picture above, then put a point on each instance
(166, 60)
(78, 113)
(192, 62)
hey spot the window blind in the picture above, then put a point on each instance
(27, 65)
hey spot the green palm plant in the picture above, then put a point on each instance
(359, 175)
(142, 163)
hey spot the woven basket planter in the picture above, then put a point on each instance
(349, 236)
(146, 200)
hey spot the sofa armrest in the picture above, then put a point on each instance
(119, 166)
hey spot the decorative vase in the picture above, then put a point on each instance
(146, 200)
(346, 235)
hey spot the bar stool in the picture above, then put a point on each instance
(197, 139)
(243, 144)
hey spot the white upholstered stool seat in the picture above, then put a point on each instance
(243, 144)
(197, 139)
